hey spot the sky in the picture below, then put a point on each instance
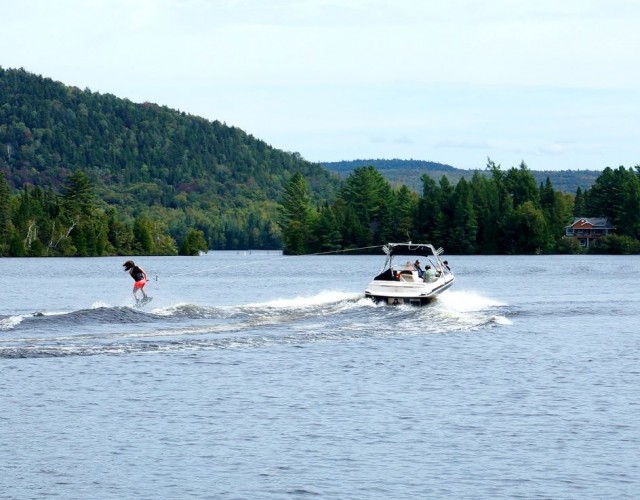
(555, 84)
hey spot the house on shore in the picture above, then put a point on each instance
(588, 230)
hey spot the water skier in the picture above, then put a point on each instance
(140, 279)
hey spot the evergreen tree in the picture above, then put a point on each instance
(5, 215)
(352, 231)
(366, 191)
(194, 243)
(326, 231)
(529, 229)
(628, 221)
(486, 202)
(403, 215)
(296, 215)
(464, 228)
(579, 204)
(78, 196)
(504, 230)
(443, 225)
(16, 246)
(616, 195)
(119, 235)
(521, 185)
(557, 209)
(428, 209)
(142, 236)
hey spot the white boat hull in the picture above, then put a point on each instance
(400, 292)
(408, 283)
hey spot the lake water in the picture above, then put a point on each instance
(261, 376)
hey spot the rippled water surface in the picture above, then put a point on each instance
(253, 375)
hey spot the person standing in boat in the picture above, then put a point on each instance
(139, 277)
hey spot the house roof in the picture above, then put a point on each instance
(591, 223)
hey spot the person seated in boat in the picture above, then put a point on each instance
(429, 274)
(417, 267)
(443, 268)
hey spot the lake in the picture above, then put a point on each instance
(254, 375)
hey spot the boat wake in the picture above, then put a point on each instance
(328, 316)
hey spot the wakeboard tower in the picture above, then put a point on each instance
(403, 281)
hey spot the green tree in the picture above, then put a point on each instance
(402, 214)
(464, 228)
(120, 235)
(78, 196)
(616, 195)
(521, 184)
(504, 235)
(486, 203)
(142, 236)
(351, 230)
(366, 192)
(16, 246)
(443, 225)
(557, 208)
(296, 215)
(616, 244)
(194, 243)
(326, 231)
(428, 209)
(5, 215)
(579, 207)
(86, 225)
(530, 229)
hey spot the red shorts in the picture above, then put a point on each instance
(140, 284)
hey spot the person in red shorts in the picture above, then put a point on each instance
(140, 278)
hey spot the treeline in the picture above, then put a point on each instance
(496, 212)
(615, 195)
(148, 162)
(409, 172)
(37, 222)
(88, 174)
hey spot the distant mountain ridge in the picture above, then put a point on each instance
(409, 172)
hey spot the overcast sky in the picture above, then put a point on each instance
(555, 84)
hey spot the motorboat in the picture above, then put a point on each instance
(405, 279)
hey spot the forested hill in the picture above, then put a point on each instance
(180, 169)
(409, 172)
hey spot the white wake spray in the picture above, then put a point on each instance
(320, 299)
(464, 301)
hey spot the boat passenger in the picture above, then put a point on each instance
(429, 274)
(417, 267)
